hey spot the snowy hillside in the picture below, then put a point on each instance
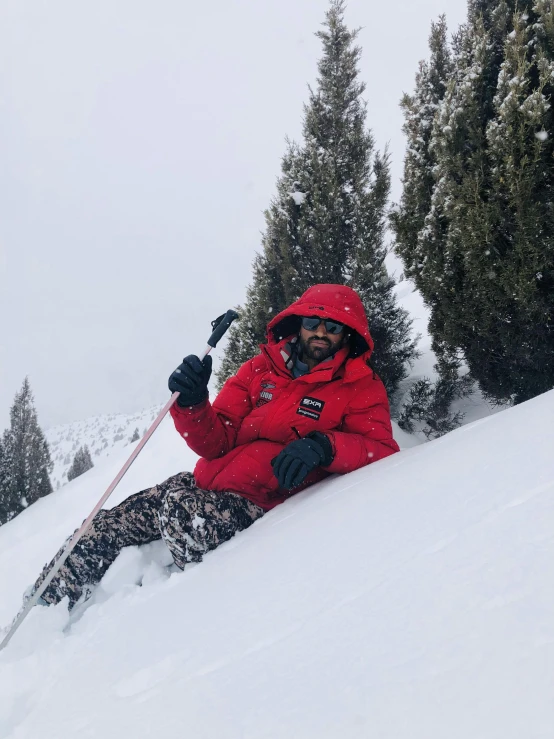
(102, 434)
(412, 599)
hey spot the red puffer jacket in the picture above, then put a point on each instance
(263, 408)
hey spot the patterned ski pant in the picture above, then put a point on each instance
(191, 522)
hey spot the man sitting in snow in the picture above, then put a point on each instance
(306, 407)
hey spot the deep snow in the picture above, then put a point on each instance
(411, 599)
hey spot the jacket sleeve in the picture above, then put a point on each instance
(366, 432)
(211, 430)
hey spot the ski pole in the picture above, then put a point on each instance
(219, 326)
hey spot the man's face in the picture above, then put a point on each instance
(319, 344)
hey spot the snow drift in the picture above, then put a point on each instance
(411, 599)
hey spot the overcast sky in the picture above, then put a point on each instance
(139, 145)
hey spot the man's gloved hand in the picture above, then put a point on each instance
(191, 380)
(294, 463)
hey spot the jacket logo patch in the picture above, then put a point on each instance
(265, 397)
(311, 408)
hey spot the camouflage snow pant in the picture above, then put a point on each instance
(189, 520)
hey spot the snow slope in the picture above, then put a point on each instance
(413, 599)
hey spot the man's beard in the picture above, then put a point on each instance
(318, 353)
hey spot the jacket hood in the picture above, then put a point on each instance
(336, 302)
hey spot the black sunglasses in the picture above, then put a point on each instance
(311, 323)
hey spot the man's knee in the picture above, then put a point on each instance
(179, 502)
(179, 511)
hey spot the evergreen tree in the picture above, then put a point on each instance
(326, 223)
(389, 324)
(428, 405)
(9, 498)
(4, 503)
(483, 255)
(26, 459)
(135, 436)
(420, 109)
(520, 254)
(81, 463)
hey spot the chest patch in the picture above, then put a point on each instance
(264, 398)
(310, 407)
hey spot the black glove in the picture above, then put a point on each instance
(191, 380)
(294, 463)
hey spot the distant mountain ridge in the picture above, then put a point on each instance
(102, 434)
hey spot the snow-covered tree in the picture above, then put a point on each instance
(420, 110)
(5, 503)
(81, 463)
(25, 458)
(483, 257)
(427, 401)
(519, 256)
(326, 223)
(428, 406)
(135, 436)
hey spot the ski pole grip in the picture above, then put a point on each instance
(220, 326)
